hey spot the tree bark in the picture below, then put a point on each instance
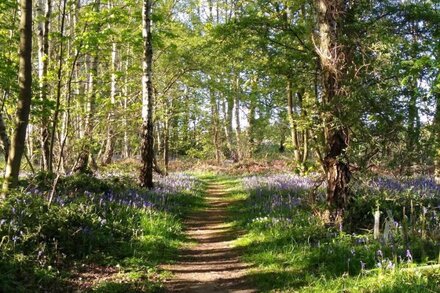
(125, 92)
(228, 109)
(25, 98)
(147, 144)
(166, 142)
(85, 159)
(44, 9)
(331, 56)
(252, 126)
(237, 119)
(215, 126)
(59, 86)
(110, 142)
(436, 132)
(4, 138)
(292, 122)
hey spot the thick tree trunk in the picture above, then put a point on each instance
(332, 60)
(147, 144)
(44, 11)
(25, 97)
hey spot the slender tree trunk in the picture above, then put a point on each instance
(4, 137)
(413, 134)
(86, 159)
(59, 86)
(237, 119)
(228, 109)
(332, 60)
(215, 127)
(110, 142)
(147, 144)
(437, 139)
(17, 148)
(44, 11)
(251, 128)
(126, 114)
(292, 122)
(305, 131)
(166, 144)
(126, 140)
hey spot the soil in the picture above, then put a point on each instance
(212, 264)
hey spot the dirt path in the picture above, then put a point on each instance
(212, 265)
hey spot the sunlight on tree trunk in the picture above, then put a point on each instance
(330, 13)
(147, 144)
(17, 147)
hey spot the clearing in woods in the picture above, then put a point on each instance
(212, 264)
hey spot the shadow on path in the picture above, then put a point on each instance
(212, 265)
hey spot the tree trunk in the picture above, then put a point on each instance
(147, 145)
(44, 11)
(436, 132)
(59, 86)
(336, 136)
(85, 159)
(125, 94)
(215, 127)
(252, 126)
(166, 144)
(237, 119)
(25, 97)
(110, 142)
(228, 109)
(4, 138)
(292, 122)
(305, 131)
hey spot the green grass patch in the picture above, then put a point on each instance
(101, 234)
(293, 251)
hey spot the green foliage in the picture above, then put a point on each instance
(90, 221)
(294, 251)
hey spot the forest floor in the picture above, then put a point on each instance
(210, 263)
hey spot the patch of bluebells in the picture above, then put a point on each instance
(160, 198)
(275, 193)
(87, 216)
(425, 187)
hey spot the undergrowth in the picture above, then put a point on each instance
(103, 234)
(294, 250)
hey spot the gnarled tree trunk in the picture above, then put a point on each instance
(332, 59)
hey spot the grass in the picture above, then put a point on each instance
(294, 252)
(104, 235)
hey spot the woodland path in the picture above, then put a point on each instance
(212, 264)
